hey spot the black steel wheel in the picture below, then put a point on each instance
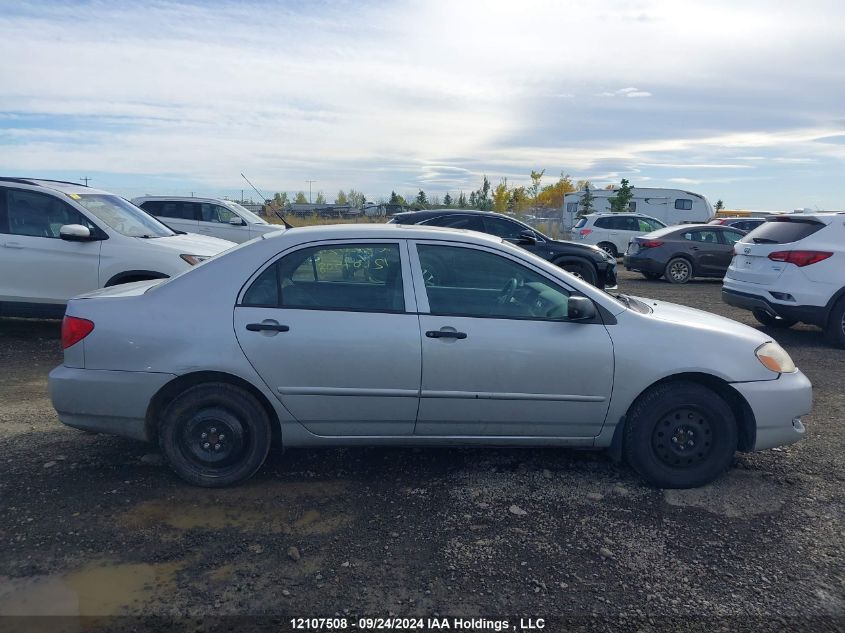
(680, 434)
(215, 434)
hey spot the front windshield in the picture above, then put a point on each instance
(245, 213)
(122, 216)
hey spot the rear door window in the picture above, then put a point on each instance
(783, 231)
(457, 221)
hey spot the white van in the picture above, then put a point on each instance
(61, 239)
(670, 206)
(208, 216)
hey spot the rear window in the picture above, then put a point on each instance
(783, 231)
(580, 223)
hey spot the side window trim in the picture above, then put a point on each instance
(407, 285)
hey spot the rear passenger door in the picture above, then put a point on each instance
(178, 215)
(332, 330)
(36, 265)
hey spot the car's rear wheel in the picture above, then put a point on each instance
(609, 248)
(680, 435)
(582, 270)
(835, 330)
(652, 276)
(678, 270)
(769, 320)
(215, 434)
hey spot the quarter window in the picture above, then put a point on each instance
(38, 215)
(683, 204)
(463, 281)
(357, 277)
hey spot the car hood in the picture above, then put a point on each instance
(191, 244)
(699, 319)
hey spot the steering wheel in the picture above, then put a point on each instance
(508, 291)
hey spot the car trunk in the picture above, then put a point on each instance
(751, 261)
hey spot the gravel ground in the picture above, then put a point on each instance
(96, 525)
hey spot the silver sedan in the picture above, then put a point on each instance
(386, 334)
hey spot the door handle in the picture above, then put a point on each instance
(267, 327)
(13, 245)
(445, 334)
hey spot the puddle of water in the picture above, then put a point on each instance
(94, 590)
(256, 508)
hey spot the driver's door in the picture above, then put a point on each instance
(499, 356)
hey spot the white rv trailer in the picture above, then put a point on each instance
(672, 206)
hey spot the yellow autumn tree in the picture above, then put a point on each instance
(551, 196)
(500, 196)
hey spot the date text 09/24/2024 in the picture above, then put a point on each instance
(416, 624)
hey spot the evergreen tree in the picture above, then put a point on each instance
(619, 203)
(447, 200)
(585, 206)
(421, 198)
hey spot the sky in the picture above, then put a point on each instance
(742, 101)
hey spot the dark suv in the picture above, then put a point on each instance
(590, 263)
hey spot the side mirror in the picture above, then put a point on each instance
(527, 237)
(75, 233)
(580, 309)
(237, 221)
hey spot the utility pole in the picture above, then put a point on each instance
(86, 179)
(309, 189)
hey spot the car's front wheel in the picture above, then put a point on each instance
(770, 320)
(582, 270)
(609, 248)
(215, 434)
(680, 434)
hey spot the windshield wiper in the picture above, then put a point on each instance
(624, 299)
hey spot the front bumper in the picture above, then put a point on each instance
(815, 315)
(113, 402)
(777, 406)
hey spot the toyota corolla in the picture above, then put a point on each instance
(419, 336)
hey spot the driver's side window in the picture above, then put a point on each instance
(462, 281)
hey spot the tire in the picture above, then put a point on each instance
(835, 329)
(229, 416)
(609, 248)
(662, 423)
(582, 270)
(772, 321)
(678, 270)
(652, 276)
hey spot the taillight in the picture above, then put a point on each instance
(650, 243)
(799, 258)
(585, 232)
(74, 330)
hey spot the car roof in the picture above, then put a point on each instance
(62, 186)
(182, 199)
(436, 212)
(380, 231)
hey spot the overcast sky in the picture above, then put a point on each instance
(743, 101)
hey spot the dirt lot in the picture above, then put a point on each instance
(96, 525)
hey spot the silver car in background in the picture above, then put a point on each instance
(411, 335)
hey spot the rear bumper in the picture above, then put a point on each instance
(113, 402)
(642, 264)
(816, 315)
(778, 406)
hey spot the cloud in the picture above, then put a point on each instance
(625, 92)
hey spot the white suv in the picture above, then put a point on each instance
(790, 269)
(210, 216)
(613, 231)
(60, 239)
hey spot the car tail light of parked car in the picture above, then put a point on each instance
(650, 243)
(799, 258)
(585, 232)
(74, 330)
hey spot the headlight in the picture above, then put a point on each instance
(193, 260)
(775, 358)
